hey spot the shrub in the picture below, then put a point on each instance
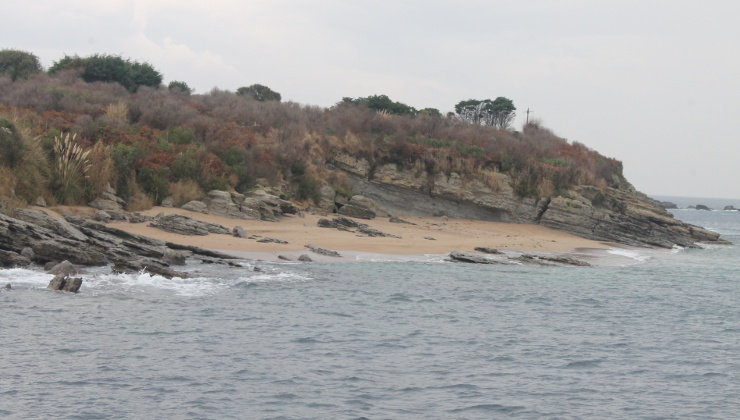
(11, 144)
(154, 181)
(110, 68)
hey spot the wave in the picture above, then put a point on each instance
(628, 253)
(134, 283)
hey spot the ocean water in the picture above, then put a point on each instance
(658, 337)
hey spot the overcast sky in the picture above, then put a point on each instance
(655, 84)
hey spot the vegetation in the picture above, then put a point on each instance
(151, 141)
(18, 64)
(110, 68)
(498, 112)
(259, 93)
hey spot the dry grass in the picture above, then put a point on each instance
(184, 191)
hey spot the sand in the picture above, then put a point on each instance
(426, 236)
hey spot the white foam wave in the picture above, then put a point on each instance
(195, 286)
(628, 253)
(275, 277)
(25, 277)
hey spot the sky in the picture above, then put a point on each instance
(655, 84)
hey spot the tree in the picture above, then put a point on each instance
(498, 113)
(382, 103)
(259, 92)
(18, 64)
(432, 112)
(110, 68)
(178, 86)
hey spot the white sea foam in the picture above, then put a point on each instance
(275, 277)
(628, 253)
(23, 276)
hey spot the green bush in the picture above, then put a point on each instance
(155, 182)
(110, 68)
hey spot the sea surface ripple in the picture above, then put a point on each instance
(660, 339)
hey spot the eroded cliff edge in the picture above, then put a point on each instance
(620, 215)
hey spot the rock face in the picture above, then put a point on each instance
(702, 207)
(619, 215)
(186, 225)
(65, 283)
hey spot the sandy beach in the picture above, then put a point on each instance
(424, 236)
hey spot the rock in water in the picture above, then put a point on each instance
(65, 283)
(470, 257)
(8, 287)
(305, 258)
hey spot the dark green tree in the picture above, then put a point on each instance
(178, 86)
(110, 68)
(498, 113)
(18, 64)
(432, 112)
(259, 92)
(382, 103)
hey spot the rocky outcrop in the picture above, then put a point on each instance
(84, 242)
(667, 205)
(65, 283)
(255, 206)
(618, 215)
(730, 208)
(702, 207)
(349, 225)
(473, 258)
(186, 225)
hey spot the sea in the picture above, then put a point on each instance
(656, 337)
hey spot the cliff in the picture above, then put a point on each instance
(620, 215)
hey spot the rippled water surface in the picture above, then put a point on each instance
(660, 339)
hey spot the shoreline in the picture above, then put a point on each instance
(427, 239)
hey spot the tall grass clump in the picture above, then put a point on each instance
(72, 164)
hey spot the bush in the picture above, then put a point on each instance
(154, 181)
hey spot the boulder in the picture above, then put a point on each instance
(196, 206)
(322, 251)
(102, 216)
(185, 225)
(139, 218)
(487, 250)
(64, 268)
(356, 211)
(106, 205)
(27, 252)
(60, 250)
(65, 283)
(239, 232)
(284, 258)
(471, 257)
(173, 257)
(730, 208)
(668, 205)
(702, 207)
(7, 286)
(304, 258)
(148, 265)
(40, 201)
